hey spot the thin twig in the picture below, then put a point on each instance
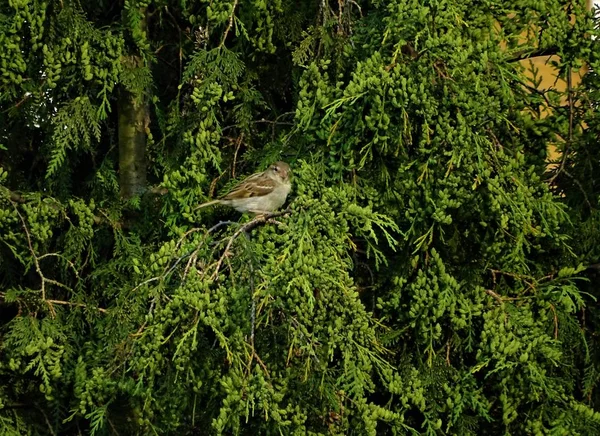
(229, 24)
(357, 6)
(145, 282)
(237, 233)
(265, 121)
(253, 306)
(580, 186)
(70, 303)
(500, 298)
(193, 254)
(36, 262)
(237, 148)
(260, 362)
(60, 256)
(113, 427)
(48, 422)
(570, 137)
(495, 295)
(168, 270)
(555, 321)
(190, 262)
(19, 103)
(516, 276)
(35, 259)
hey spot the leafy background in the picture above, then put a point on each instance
(436, 271)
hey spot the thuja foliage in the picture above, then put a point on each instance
(435, 271)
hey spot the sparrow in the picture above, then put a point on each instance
(260, 193)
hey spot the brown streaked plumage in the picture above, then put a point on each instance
(259, 193)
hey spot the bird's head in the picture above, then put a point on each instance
(279, 171)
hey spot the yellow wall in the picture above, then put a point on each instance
(550, 81)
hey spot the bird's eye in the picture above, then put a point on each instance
(275, 168)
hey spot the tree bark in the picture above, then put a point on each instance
(133, 116)
(134, 119)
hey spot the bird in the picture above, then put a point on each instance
(260, 193)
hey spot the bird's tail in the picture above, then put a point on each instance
(208, 203)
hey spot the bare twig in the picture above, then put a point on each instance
(70, 303)
(525, 278)
(555, 321)
(25, 98)
(260, 362)
(237, 148)
(52, 432)
(500, 298)
(145, 282)
(230, 24)
(193, 254)
(168, 270)
(580, 186)
(357, 6)
(565, 153)
(113, 427)
(273, 123)
(191, 261)
(253, 304)
(529, 54)
(60, 256)
(495, 295)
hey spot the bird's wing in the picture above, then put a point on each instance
(254, 186)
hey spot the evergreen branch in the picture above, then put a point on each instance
(168, 270)
(43, 279)
(31, 250)
(264, 218)
(19, 198)
(253, 353)
(537, 91)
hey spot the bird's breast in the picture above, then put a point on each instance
(279, 195)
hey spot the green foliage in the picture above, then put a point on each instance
(431, 275)
(74, 127)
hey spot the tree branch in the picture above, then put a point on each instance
(43, 279)
(248, 226)
(565, 153)
(230, 24)
(533, 54)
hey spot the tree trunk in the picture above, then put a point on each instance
(133, 116)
